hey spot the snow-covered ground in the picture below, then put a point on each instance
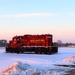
(36, 64)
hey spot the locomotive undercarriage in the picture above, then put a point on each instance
(36, 50)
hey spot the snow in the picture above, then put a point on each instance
(36, 64)
(70, 59)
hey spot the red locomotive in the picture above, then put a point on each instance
(32, 43)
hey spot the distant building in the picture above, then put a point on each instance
(3, 43)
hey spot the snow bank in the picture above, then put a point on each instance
(70, 59)
(20, 68)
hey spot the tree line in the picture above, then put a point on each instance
(67, 44)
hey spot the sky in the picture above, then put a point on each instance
(56, 17)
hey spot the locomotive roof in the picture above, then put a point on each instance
(33, 35)
(38, 34)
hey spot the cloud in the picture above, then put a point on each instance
(7, 16)
(72, 14)
(36, 14)
(29, 15)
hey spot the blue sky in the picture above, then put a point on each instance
(19, 17)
